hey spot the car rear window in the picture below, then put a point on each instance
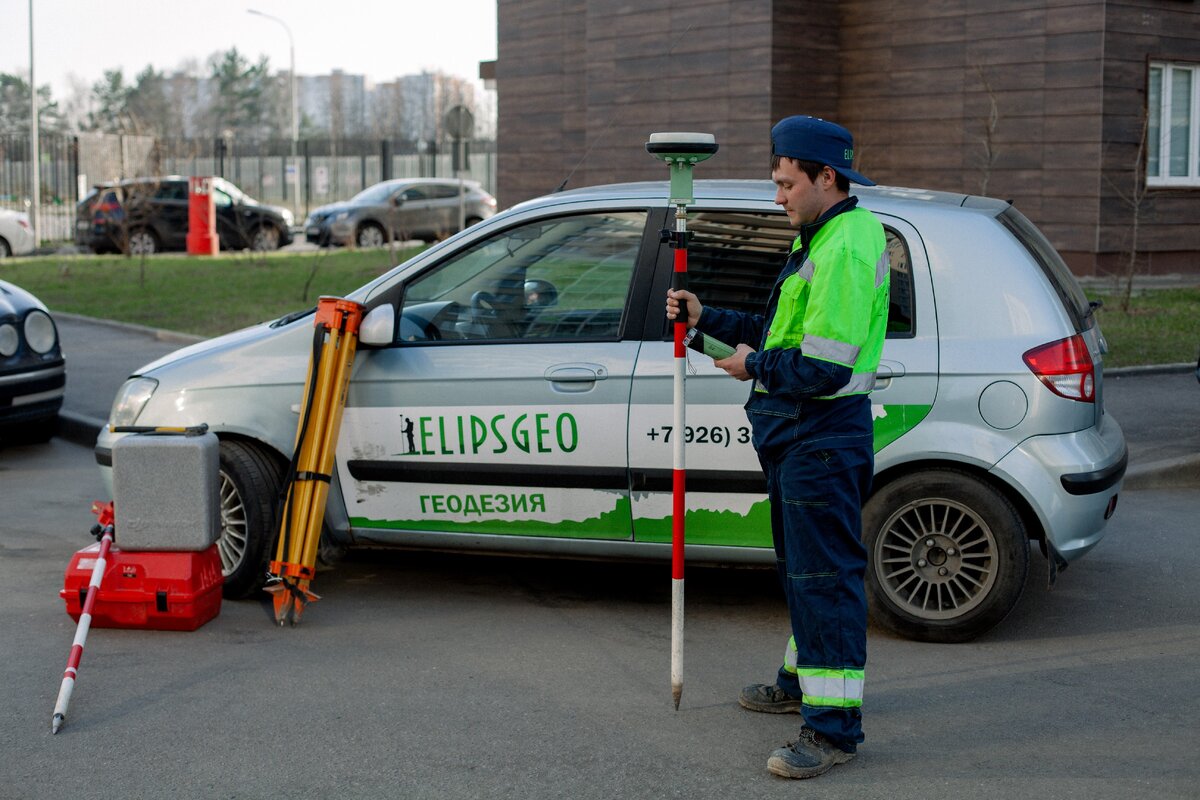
(1053, 267)
(735, 256)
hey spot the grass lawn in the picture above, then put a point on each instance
(205, 296)
(1162, 326)
(210, 296)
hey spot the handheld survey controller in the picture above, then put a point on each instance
(713, 348)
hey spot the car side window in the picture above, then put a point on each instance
(444, 191)
(221, 199)
(414, 193)
(559, 279)
(735, 256)
(171, 191)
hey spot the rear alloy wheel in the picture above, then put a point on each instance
(370, 235)
(265, 238)
(249, 480)
(948, 555)
(143, 242)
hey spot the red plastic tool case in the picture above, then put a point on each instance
(166, 591)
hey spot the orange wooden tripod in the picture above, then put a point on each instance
(311, 471)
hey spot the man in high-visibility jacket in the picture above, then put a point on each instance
(812, 358)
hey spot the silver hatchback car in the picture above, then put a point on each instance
(513, 392)
(399, 210)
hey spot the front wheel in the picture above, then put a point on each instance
(265, 238)
(370, 235)
(250, 479)
(143, 242)
(948, 556)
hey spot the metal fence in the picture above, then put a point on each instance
(320, 171)
(59, 185)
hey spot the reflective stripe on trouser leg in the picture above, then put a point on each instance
(824, 687)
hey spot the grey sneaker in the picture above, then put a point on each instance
(769, 698)
(807, 757)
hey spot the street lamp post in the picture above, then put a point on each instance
(295, 113)
(35, 156)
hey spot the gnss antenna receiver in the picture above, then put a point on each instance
(681, 151)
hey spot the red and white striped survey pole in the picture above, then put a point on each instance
(681, 151)
(105, 513)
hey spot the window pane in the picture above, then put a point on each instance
(734, 258)
(1154, 123)
(1181, 117)
(565, 278)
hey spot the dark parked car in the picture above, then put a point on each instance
(149, 215)
(399, 210)
(33, 374)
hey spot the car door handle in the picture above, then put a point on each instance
(575, 377)
(886, 371)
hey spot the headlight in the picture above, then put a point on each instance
(39, 331)
(130, 400)
(289, 218)
(341, 216)
(8, 340)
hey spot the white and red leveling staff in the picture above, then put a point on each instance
(104, 511)
(681, 151)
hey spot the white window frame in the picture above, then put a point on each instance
(1159, 114)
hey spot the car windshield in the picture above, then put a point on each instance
(374, 195)
(235, 194)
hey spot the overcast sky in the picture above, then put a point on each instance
(381, 39)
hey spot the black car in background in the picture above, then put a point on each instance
(33, 374)
(150, 215)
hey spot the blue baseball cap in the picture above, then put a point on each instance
(813, 139)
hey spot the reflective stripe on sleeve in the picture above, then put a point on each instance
(859, 383)
(829, 350)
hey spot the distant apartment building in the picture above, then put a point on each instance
(342, 105)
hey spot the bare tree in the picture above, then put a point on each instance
(988, 138)
(1135, 199)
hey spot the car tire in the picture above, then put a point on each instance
(143, 242)
(5, 250)
(370, 235)
(948, 556)
(265, 238)
(250, 480)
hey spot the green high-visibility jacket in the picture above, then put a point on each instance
(820, 340)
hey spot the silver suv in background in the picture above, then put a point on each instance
(513, 392)
(398, 210)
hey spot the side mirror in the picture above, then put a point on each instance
(378, 327)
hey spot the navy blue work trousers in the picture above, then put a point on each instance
(816, 522)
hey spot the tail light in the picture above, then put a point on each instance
(1065, 367)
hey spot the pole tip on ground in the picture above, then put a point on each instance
(676, 693)
(59, 719)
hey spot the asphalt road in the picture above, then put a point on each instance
(430, 676)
